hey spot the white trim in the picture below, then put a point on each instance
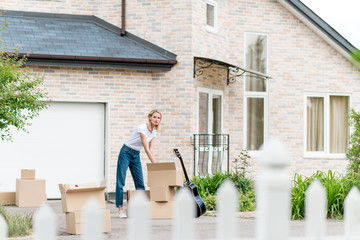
(107, 162)
(326, 153)
(252, 94)
(212, 29)
(323, 155)
(79, 100)
(266, 119)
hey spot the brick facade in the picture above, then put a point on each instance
(299, 62)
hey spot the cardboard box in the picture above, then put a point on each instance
(74, 222)
(28, 174)
(7, 198)
(75, 197)
(130, 193)
(164, 174)
(162, 209)
(30, 193)
(162, 193)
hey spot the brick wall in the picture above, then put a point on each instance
(299, 61)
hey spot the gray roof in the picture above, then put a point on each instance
(79, 39)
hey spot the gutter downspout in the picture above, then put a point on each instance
(123, 2)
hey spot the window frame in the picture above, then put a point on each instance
(212, 29)
(326, 153)
(211, 92)
(255, 94)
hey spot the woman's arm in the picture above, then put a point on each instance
(148, 149)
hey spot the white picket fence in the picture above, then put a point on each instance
(273, 210)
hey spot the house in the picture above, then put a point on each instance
(226, 75)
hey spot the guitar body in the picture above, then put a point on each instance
(200, 205)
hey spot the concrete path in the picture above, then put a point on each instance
(162, 228)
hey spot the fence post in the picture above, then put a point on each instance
(352, 213)
(45, 227)
(139, 214)
(273, 194)
(315, 210)
(184, 214)
(93, 221)
(3, 228)
(227, 198)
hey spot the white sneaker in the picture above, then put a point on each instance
(122, 213)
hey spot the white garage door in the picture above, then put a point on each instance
(65, 145)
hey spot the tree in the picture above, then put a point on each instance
(21, 96)
(356, 55)
(353, 153)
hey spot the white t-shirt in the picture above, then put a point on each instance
(134, 141)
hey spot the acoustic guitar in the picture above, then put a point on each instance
(200, 205)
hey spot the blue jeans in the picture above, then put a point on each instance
(128, 158)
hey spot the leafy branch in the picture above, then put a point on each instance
(21, 95)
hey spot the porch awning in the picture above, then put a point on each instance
(233, 72)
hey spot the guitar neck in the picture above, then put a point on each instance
(182, 164)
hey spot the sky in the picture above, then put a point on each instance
(342, 15)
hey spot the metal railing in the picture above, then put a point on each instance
(211, 153)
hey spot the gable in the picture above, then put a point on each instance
(319, 26)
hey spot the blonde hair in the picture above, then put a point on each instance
(150, 115)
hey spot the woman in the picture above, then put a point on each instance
(129, 157)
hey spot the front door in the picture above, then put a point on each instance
(209, 157)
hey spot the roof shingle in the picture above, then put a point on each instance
(76, 35)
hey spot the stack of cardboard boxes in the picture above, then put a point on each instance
(130, 193)
(163, 180)
(75, 197)
(7, 198)
(30, 192)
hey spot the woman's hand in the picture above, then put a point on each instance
(148, 149)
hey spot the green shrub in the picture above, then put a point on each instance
(208, 185)
(247, 201)
(244, 185)
(300, 184)
(353, 153)
(210, 201)
(18, 224)
(337, 187)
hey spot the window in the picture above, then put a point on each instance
(211, 16)
(327, 130)
(256, 96)
(210, 111)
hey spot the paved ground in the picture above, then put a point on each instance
(161, 228)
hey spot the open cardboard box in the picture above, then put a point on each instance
(74, 197)
(164, 173)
